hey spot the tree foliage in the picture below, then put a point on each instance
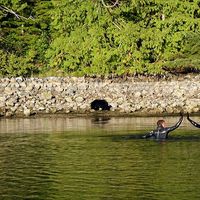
(86, 37)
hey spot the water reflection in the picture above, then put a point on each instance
(100, 120)
(75, 158)
(60, 124)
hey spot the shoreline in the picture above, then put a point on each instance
(96, 115)
(130, 96)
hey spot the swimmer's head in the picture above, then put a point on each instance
(161, 123)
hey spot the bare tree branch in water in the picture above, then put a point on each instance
(8, 10)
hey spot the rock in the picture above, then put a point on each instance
(29, 88)
(79, 99)
(53, 110)
(23, 84)
(71, 90)
(27, 112)
(120, 100)
(10, 102)
(114, 106)
(137, 94)
(8, 90)
(9, 114)
(169, 110)
(47, 95)
(59, 89)
(53, 94)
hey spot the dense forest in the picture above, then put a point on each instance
(99, 37)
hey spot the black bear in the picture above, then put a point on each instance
(100, 104)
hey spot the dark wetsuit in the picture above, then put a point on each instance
(162, 132)
(193, 122)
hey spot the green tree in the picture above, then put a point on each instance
(23, 36)
(99, 37)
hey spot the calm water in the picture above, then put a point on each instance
(102, 158)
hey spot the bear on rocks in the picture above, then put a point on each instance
(100, 104)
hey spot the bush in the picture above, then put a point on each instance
(79, 37)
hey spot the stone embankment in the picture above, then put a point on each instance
(25, 97)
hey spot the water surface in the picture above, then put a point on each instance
(97, 158)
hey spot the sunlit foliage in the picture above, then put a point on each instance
(86, 37)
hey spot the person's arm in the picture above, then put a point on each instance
(169, 129)
(148, 135)
(192, 122)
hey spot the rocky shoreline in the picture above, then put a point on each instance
(67, 95)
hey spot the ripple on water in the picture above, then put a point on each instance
(99, 165)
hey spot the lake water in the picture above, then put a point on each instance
(97, 158)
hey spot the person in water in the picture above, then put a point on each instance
(192, 122)
(161, 132)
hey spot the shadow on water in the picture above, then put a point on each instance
(100, 120)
